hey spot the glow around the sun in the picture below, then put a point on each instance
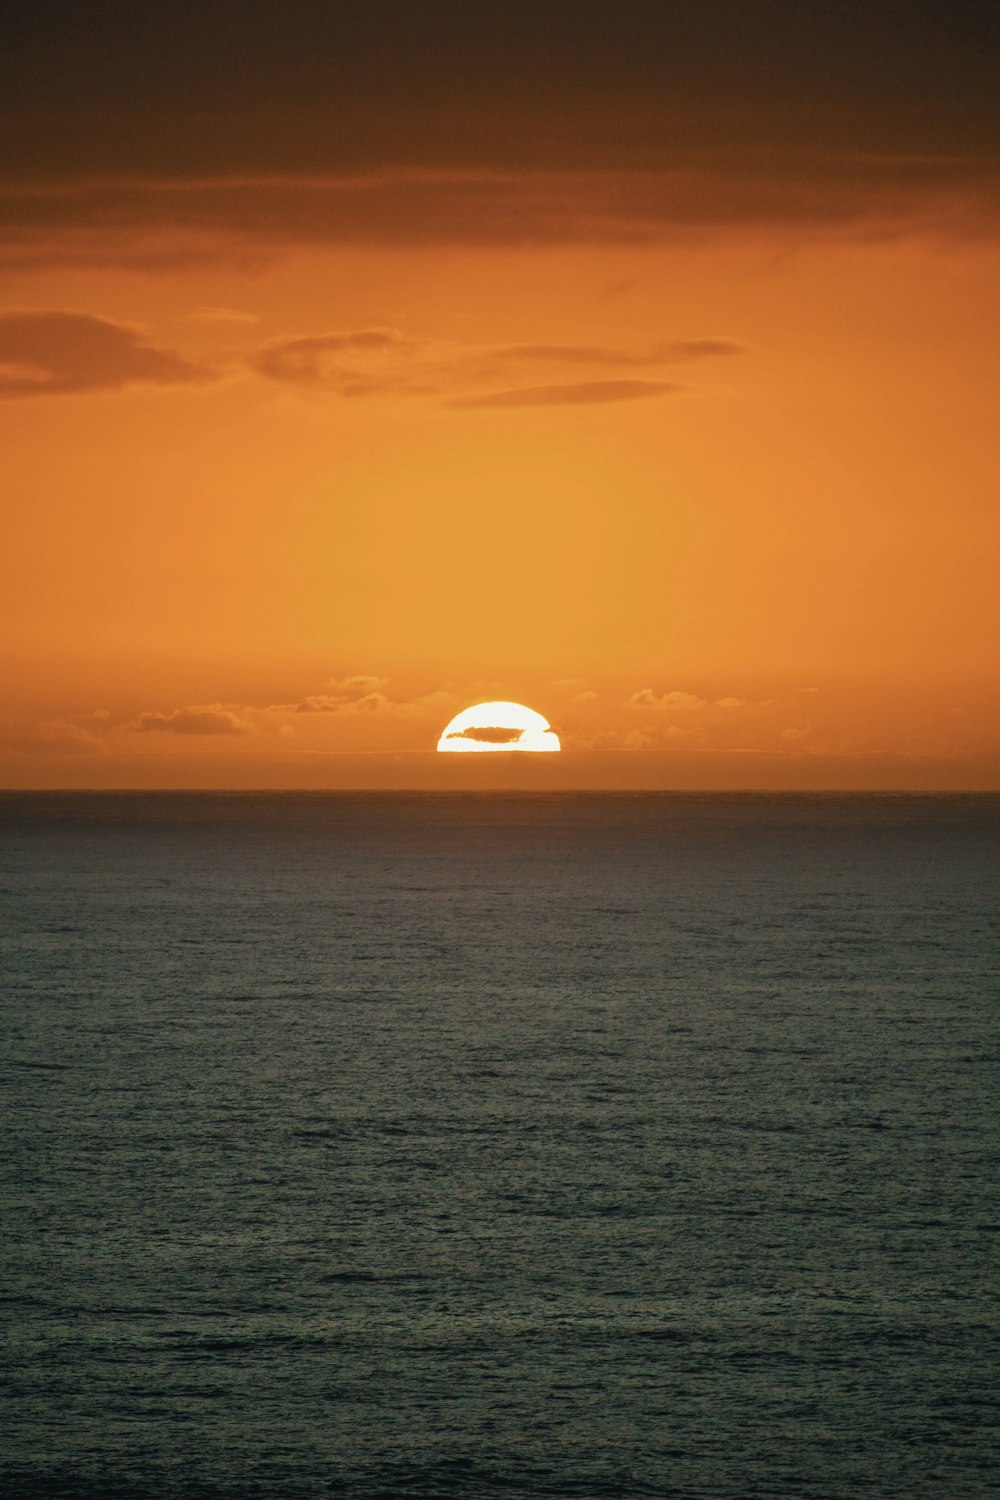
(498, 726)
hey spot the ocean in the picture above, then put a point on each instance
(498, 1146)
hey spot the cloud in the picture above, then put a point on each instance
(664, 738)
(366, 360)
(384, 361)
(221, 315)
(319, 360)
(60, 735)
(576, 394)
(59, 353)
(679, 351)
(208, 719)
(326, 703)
(358, 694)
(186, 130)
(53, 737)
(646, 698)
(640, 739)
(188, 86)
(616, 286)
(489, 735)
(316, 703)
(52, 353)
(169, 222)
(687, 349)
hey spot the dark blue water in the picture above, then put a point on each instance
(565, 1146)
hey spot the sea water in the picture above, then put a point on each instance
(499, 1145)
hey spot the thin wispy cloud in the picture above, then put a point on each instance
(576, 394)
(385, 362)
(340, 361)
(221, 315)
(677, 351)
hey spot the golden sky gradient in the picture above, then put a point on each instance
(686, 438)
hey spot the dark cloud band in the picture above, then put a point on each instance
(166, 224)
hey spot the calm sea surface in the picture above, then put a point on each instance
(566, 1146)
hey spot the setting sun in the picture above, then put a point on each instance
(498, 726)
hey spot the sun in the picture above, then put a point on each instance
(498, 726)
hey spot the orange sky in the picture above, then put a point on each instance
(696, 457)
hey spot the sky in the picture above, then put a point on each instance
(636, 362)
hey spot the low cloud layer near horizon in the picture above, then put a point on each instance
(201, 719)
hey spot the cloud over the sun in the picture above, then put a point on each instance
(51, 353)
(489, 734)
